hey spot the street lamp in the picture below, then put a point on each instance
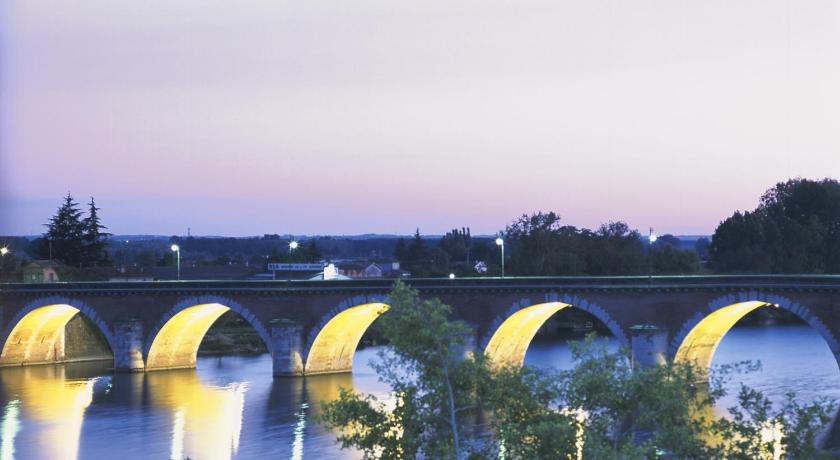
(3, 251)
(651, 239)
(177, 250)
(501, 243)
(292, 246)
(452, 276)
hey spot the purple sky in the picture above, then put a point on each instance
(269, 116)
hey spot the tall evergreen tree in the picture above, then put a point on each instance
(65, 234)
(94, 238)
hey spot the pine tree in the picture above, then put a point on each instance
(64, 233)
(94, 238)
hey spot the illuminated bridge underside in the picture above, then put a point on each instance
(177, 342)
(334, 347)
(700, 344)
(510, 342)
(38, 338)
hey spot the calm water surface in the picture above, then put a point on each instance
(231, 407)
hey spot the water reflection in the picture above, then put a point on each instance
(50, 402)
(206, 420)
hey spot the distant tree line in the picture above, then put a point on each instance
(540, 245)
(794, 229)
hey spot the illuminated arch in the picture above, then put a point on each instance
(36, 333)
(512, 333)
(332, 344)
(700, 336)
(174, 341)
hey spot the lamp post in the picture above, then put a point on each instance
(292, 246)
(177, 250)
(501, 243)
(3, 251)
(651, 239)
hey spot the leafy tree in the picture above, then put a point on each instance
(668, 259)
(457, 244)
(615, 249)
(540, 245)
(434, 386)
(794, 229)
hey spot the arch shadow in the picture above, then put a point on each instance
(173, 342)
(699, 337)
(331, 345)
(511, 334)
(35, 335)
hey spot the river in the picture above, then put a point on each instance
(230, 407)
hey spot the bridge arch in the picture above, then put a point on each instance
(332, 344)
(511, 334)
(698, 338)
(174, 341)
(35, 335)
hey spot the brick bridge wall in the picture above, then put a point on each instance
(290, 315)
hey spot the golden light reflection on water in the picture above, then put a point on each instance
(57, 404)
(39, 336)
(510, 342)
(701, 342)
(177, 342)
(206, 420)
(335, 345)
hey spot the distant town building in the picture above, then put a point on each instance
(40, 271)
(363, 269)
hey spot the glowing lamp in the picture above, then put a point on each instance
(4, 251)
(175, 248)
(452, 276)
(293, 245)
(500, 242)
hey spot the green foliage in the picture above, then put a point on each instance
(667, 259)
(65, 235)
(449, 406)
(421, 259)
(434, 387)
(539, 245)
(94, 239)
(795, 229)
(756, 428)
(73, 240)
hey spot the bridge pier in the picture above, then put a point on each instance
(128, 349)
(648, 345)
(287, 350)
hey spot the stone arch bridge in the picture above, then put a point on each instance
(313, 327)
